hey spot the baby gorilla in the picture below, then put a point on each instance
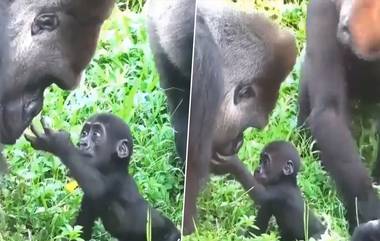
(278, 194)
(100, 167)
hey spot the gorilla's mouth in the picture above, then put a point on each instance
(86, 152)
(10, 131)
(231, 148)
(8, 135)
(17, 114)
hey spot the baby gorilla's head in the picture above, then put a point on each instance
(107, 139)
(279, 161)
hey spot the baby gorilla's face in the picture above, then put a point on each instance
(262, 172)
(101, 140)
(271, 169)
(93, 139)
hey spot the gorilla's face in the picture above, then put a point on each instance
(44, 42)
(255, 64)
(243, 106)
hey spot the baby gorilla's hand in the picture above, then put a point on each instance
(49, 141)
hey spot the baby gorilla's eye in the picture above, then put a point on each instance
(96, 134)
(264, 162)
(264, 159)
(84, 133)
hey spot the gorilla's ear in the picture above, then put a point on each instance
(122, 148)
(288, 169)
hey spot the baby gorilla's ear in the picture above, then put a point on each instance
(122, 148)
(288, 169)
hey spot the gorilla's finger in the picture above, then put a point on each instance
(45, 126)
(34, 130)
(30, 138)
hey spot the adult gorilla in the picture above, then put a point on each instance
(43, 42)
(341, 69)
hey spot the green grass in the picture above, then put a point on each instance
(225, 211)
(34, 204)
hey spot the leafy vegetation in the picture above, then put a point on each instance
(225, 211)
(35, 201)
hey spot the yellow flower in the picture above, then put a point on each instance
(71, 186)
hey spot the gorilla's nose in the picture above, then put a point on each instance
(84, 145)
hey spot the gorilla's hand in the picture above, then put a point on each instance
(49, 141)
(221, 165)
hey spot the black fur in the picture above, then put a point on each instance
(277, 194)
(369, 231)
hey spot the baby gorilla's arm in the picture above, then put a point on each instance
(232, 164)
(163, 229)
(93, 182)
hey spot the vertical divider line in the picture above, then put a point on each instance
(189, 116)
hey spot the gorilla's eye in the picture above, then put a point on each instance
(265, 159)
(96, 134)
(243, 92)
(45, 22)
(84, 133)
(246, 92)
(264, 162)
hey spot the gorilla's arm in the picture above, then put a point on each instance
(323, 81)
(171, 36)
(86, 217)
(162, 227)
(262, 220)
(90, 179)
(237, 169)
(207, 88)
